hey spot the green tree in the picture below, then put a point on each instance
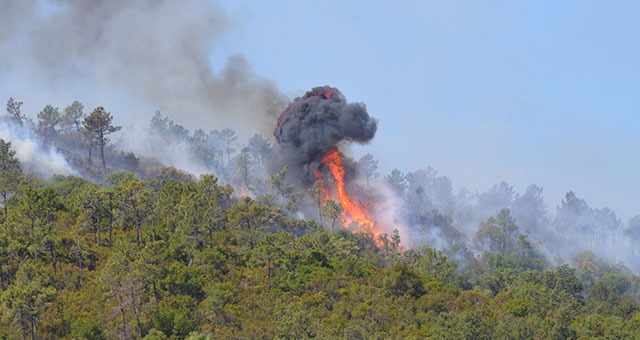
(497, 234)
(268, 254)
(10, 175)
(150, 266)
(564, 284)
(87, 329)
(48, 119)
(400, 280)
(98, 125)
(96, 209)
(530, 210)
(368, 167)
(229, 140)
(27, 297)
(243, 170)
(282, 187)
(217, 199)
(13, 110)
(430, 264)
(332, 210)
(39, 207)
(72, 115)
(118, 279)
(318, 192)
(155, 334)
(259, 149)
(192, 218)
(397, 181)
(133, 203)
(175, 316)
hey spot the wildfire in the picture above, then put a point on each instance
(353, 212)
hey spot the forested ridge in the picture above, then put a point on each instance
(128, 248)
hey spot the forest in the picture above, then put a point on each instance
(98, 242)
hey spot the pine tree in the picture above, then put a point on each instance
(99, 124)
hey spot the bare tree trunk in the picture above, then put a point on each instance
(139, 231)
(269, 274)
(136, 313)
(6, 208)
(90, 153)
(124, 323)
(23, 325)
(52, 253)
(80, 265)
(33, 328)
(104, 163)
(98, 234)
(110, 230)
(156, 294)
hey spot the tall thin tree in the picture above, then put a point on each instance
(99, 124)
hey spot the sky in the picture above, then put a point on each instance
(542, 92)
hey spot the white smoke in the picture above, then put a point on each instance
(178, 154)
(33, 157)
(389, 212)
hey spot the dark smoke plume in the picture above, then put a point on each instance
(315, 123)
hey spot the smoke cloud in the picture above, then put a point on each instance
(315, 123)
(139, 55)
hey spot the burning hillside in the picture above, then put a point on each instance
(310, 131)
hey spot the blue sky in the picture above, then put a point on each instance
(541, 92)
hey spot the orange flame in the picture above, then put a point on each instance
(353, 212)
(243, 192)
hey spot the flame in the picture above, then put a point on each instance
(243, 192)
(353, 212)
(327, 93)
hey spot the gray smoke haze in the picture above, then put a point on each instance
(315, 123)
(135, 57)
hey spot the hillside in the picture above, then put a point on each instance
(172, 257)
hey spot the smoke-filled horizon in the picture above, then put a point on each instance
(422, 204)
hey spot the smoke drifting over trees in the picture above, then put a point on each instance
(155, 55)
(151, 54)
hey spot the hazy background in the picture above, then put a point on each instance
(540, 92)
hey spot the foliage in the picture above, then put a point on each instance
(171, 257)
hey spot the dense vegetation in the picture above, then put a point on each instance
(170, 257)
